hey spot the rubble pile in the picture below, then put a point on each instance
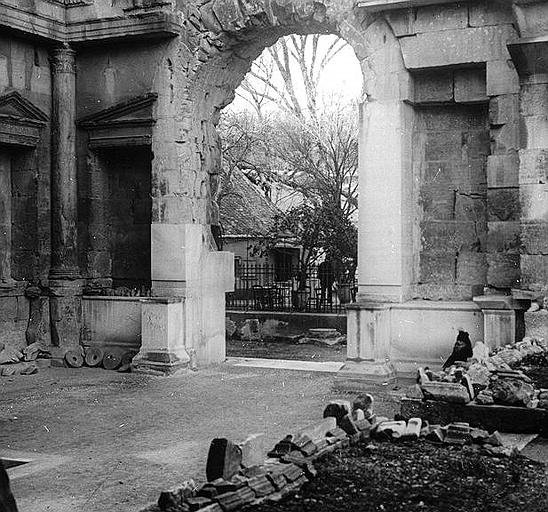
(488, 378)
(22, 362)
(240, 475)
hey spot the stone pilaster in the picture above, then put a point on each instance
(65, 283)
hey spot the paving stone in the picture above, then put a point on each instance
(223, 460)
(435, 434)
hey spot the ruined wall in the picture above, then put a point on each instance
(24, 67)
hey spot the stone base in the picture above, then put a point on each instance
(159, 363)
(359, 375)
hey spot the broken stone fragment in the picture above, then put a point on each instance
(467, 383)
(479, 435)
(223, 460)
(197, 503)
(435, 434)
(388, 429)
(413, 429)
(485, 397)
(414, 391)
(422, 376)
(365, 403)
(479, 375)
(348, 425)
(10, 355)
(480, 352)
(445, 392)
(514, 392)
(337, 409)
(261, 486)
(253, 450)
(495, 439)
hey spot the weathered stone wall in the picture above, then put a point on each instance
(454, 142)
(24, 67)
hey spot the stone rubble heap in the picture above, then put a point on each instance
(21, 362)
(238, 474)
(487, 378)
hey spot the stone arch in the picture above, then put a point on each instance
(232, 36)
(222, 39)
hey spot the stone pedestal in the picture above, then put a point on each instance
(368, 344)
(162, 336)
(185, 266)
(499, 319)
(65, 315)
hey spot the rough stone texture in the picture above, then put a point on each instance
(454, 143)
(194, 56)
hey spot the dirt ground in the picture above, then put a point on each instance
(285, 350)
(124, 437)
(421, 477)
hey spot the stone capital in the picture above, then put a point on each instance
(63, 60)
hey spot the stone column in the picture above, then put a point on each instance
(65, 282)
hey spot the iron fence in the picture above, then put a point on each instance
(261, 287)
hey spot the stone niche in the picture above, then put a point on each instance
(117, 210)
(22, 126)
(449, 159)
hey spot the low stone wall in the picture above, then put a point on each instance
(296, 322)
(112, 321)
(423, 332)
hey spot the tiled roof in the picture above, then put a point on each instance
(244, 210)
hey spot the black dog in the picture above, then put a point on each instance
(462, 349)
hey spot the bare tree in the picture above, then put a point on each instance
(288, 74)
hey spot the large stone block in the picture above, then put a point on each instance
(535, 131)
(470, 207)
(471, 268)
(433, 86)
(8, 309)
(503, 170)
(461, 46)
(534, 237)
(502, 78)
(503, 270)
(534, 272)
(483, 14)
(437, 267)
(402, 22)
(534, 99)
(505, 138)
(441, 17)
(503, 109)
(470, 85)
(534, 202)
(533, 168)
(503, 204)
(536, 324)
(504, 237)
